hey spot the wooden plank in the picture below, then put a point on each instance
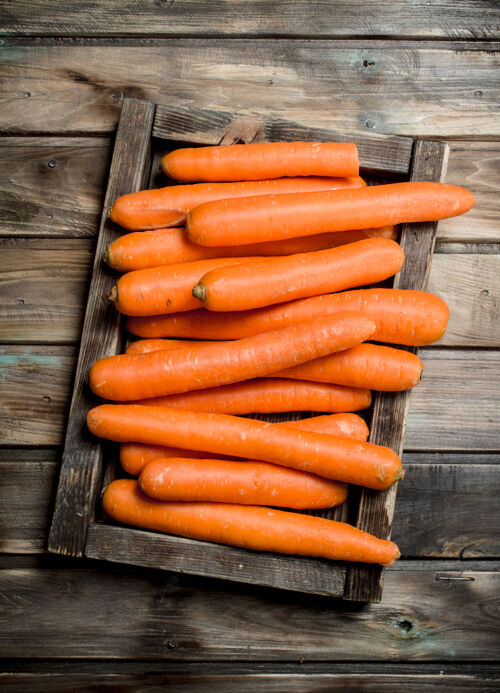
(338, 18)
(426, 615)
(436, 514)
(29, 480)
(82, 458)
(34, 394)
(379, 88)
(42, 289)
(390, 409)
(470, 285)
(215, 127)
(476, 166)
(205, 677)
(52, 186)
(153, 550)
(454, 407)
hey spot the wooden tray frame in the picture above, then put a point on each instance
(77, 528)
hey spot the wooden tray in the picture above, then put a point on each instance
(145, 132)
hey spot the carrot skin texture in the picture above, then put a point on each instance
(370, 366)
(275, 217)
(402, 316)
(268, 281)
(135, 456)
(239, 162)
(232, 481)
(144, 249)
(249, 527)
(333, 457)
(152, 209)
(268, 396)
(161, 290)
(146, 346)
(138, 376)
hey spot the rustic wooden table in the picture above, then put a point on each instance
(422, 69)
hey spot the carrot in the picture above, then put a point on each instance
(135, 456)
(262, 160)
(152, 209)
(332, 457)
(161, 290)
(267, 281)
(233, 481)
(370, 366)
(267, 396)
(247, 526)
(137, 376)
(145, 346)
(272, 217)
(402, 316)
(144, 249)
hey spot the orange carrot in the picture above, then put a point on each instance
(267, 396)
(370, 366)
(135, 456)
(152, 209)
(137, 376)
(274, 217)
(144, 249)
(161, 290)
(233, 481)
(332, 457)
(247, 526)
(402, 316)
(267, 281)
(262, 160)
(145, 346)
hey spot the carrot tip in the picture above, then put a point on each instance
(400, 475)
(113, 296)
(105, 256)
(200, 292)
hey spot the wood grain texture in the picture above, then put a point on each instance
(390, 409)
(382, 88)
(454, 407)
(52, 186)
(82, 458)
(436, 514)
(466, 19)
(224, 677)
(426, 614)
(35, 394)
(26, 493)
(155, 550)
(42, 289)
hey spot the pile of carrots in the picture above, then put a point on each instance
(243, 283)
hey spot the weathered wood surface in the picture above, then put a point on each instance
(390, 409)
(436, 513)
(426, 614)
(403, 89)
(455, 407)
(36, 200)
(51, 186)
(81, 466)
(43, 287)
(297, 677)
(467, 19)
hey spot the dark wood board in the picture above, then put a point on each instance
(429, 613)
(83, 465)
(224, 677)
(82, 459)
(466, 19)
